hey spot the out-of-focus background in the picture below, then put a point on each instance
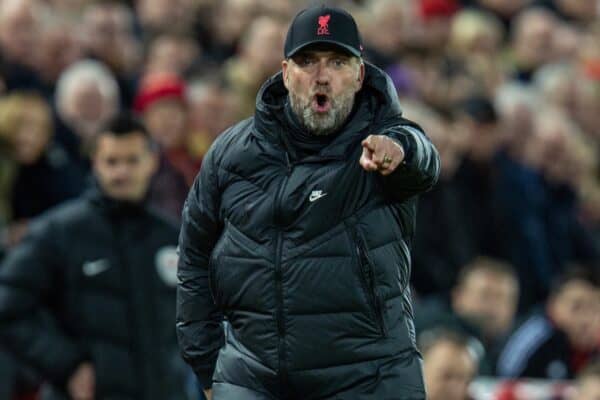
(507, 248)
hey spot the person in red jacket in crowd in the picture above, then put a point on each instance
(161, 103)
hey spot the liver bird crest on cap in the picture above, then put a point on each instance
(323, 25)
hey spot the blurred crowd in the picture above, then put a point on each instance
(507, 249)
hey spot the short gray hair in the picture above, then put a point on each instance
(86, 71)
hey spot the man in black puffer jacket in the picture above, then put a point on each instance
(88, 298)
(297, 233)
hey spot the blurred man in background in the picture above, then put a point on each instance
(86, 97)
(483, 305)
(449, 365)
(87, 298)
(107, 33)
(259, 57)
(19, 32)
(559, 342)
(162, 104)
(442, 243)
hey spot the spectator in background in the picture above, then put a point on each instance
(259, 57)
(483, 305)
(442, 244)
(58, 48)
(87, 95)
(476, 176)
(506, 10)
(42, 173)
(160, 16)
(449, 364)
(516, 104)
(385, 30)
(172, 53)
(162, 104)
(561, 340)
(68, 8)
(532, 41)
(587, 383)
(486, 295)
(435, 17)
(554, 83)
(571, 10)
(97, 319)
(19, 37)
(474, 48)
(518, 187)
(230, 19)
(107, 36)
(537, 204)
(212, 108)
(587, 92)
(567, 39)
(440, 81)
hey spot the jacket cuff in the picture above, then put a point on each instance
(406, 141)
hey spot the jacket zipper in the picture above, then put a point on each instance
(279, 281)
(368, 279)
(133, 319)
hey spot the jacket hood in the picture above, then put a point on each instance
(378, 92)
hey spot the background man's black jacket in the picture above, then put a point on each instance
(95, 280)
(307, 260)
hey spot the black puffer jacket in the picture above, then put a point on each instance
(308, 260)
(95, 280)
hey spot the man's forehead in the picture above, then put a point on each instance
(109, 141)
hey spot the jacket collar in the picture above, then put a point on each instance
(112, 207)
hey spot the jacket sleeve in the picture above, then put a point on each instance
(199, 327)
(30, 278)
(420, 169)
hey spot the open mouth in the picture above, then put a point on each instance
(321, 102)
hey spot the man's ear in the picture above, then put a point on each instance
(361, 73)
(284, 69)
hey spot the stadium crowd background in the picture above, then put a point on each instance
(507, 249)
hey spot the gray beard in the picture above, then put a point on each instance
(323, 124)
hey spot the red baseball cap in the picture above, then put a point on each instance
(437, 8)
(156, 87)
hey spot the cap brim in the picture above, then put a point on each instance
(341, 46)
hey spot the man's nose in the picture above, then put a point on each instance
(323, 74)
(121, 170)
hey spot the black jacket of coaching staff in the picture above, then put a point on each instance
(301, 248)
(92, 288)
